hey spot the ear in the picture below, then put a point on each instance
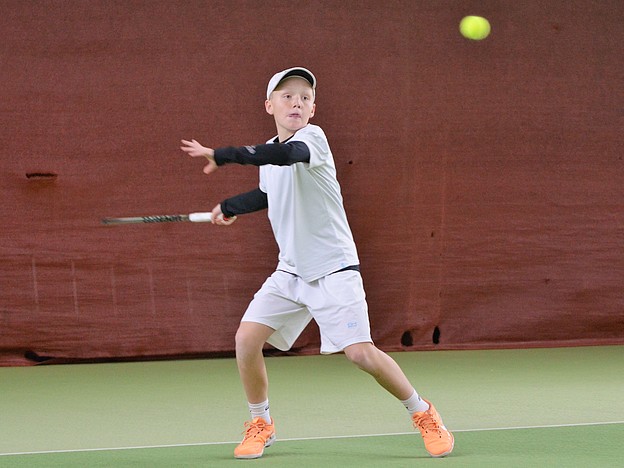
(268, 106)
(313, 110)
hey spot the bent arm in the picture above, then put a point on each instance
(248, 202)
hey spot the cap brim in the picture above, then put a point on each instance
(300, 72)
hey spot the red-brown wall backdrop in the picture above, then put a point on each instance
(484, 181)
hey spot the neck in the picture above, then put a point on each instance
(283, 134)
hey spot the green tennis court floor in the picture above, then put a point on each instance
(507, 408)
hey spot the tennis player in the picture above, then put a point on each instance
(318, 272)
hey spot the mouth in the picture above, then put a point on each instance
(294, 116)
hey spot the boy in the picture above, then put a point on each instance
(317, 275)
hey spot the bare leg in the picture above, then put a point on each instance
(250, 339)
(382, 367)
(439, 442)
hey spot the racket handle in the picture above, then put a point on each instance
(200, 217)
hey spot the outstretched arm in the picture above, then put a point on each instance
(278, 154)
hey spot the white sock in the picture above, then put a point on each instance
(260, 410)
(415, 404)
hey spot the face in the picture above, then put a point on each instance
(292, 106)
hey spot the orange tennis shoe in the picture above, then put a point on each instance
(438, 440)
(258, 435)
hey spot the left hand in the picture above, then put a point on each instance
(195, 149)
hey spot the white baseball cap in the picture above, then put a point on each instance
(296, 71)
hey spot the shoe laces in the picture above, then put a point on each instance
(427, 423)
(254, 428)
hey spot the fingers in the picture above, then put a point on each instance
(188, 145)
(226, 221)
(195, 149)
(221, 220)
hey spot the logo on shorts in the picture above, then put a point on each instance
(352, 325)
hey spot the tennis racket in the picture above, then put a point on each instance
(191, 217)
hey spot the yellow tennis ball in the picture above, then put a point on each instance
(474, 27)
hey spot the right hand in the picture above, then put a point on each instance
(218, 217)
(195, 149)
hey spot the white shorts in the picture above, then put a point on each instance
(336, 302)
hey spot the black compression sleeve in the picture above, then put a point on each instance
(278, 154)
(245, 203)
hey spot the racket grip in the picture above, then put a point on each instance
(200, 217)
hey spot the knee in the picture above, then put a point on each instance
(250, 337)
(245, 340)
(241, 336)
(362, 355)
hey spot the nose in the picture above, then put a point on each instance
(297, 101)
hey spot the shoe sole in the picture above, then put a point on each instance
(267, 444)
